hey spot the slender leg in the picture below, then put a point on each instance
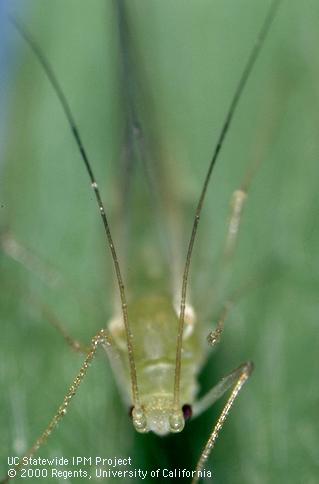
(214, 336)
(102, 338)
(16, 251)
(34, 264)
(237, 205)
(51, 318)
(260, 148)
(25, 257)
(237, 378)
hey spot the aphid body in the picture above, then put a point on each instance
(154, 323)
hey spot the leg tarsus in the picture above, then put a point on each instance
(214, 336)
(238, 377)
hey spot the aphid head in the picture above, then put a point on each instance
(158, 416)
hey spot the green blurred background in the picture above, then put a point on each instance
(193, 53)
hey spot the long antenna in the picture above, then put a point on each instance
(225, 127)
(66, 108)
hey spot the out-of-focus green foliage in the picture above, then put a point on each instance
(193, 53)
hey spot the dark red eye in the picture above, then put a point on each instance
(187, 411)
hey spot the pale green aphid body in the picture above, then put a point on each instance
(154, 323)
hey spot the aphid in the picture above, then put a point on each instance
(166, 412)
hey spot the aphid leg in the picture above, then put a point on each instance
(213, 337)
(237, 205)
(74, 344)
(102, 338)
(236, 379)
(26, 258)
(239, 196)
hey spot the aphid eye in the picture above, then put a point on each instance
(130, 411)
(187, 411)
